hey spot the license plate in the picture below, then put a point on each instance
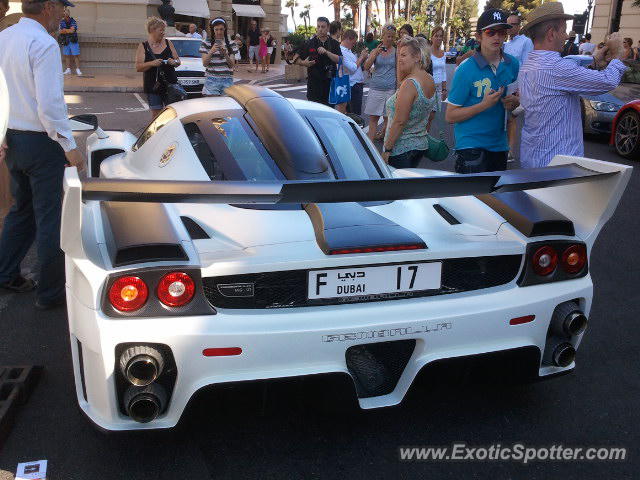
(387, 279)
(188, 81)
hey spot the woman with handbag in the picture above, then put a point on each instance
(218, 58)
(406, 140)
(156, 59)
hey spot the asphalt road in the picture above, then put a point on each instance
(312, 428)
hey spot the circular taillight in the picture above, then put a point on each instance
(545, 261)
(176, 289)
(574, 258)
(128, 294)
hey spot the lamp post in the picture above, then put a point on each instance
(589, 6)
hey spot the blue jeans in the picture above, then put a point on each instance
(477, 160)
(36, 166)
(216, 85)
(409, 159)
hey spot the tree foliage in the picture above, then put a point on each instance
(523, 7)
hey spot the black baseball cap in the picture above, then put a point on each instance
(493, 18)
(66, 3)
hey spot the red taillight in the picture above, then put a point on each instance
(128, 294)
(521, 320)
(221, 352)
(545, 261)
(392, 248)
(176, 289)
(574, 258)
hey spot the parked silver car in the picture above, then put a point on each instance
(598, 111)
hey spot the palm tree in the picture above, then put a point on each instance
(304, 15)
(336, 9)
(354, 5)
(292, 4)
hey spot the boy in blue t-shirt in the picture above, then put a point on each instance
(478, 101)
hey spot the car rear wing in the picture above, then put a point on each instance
(585, 191)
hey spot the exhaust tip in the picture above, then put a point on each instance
(141, 365)
(575, 323)
(144, 404)
(564, 355)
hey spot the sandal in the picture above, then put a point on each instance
(19, 285)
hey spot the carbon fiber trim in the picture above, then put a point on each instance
(289, 288)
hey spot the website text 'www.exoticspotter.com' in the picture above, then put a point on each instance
(514, 453)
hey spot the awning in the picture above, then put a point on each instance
(192, 8)
(249, 11)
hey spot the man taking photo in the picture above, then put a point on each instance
(551, 86)
(40, 144)
(320, 55)
(478, 102)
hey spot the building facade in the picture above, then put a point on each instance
(110, 30)
(615, 15)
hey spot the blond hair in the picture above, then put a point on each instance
(416, 49)
(425, 47)
(155, 22)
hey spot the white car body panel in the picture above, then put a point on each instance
(283, 342)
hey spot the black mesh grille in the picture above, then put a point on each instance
(189, 73)
(289, 288)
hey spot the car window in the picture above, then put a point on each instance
(229, 150)
(160, 121)
(187, 48)
(347, 152)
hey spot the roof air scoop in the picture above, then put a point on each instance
(285, 134)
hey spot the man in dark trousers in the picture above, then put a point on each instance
(40, 144)
(320, 55)
(253, 44)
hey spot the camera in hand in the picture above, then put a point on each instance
(384, 49)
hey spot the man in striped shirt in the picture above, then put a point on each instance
(550, 88)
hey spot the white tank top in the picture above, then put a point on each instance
(439, 69)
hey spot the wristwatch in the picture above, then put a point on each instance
(386, 150)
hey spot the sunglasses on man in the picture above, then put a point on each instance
(491, 32)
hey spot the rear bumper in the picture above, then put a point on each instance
(302, 341)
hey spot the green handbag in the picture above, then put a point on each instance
(438, 149)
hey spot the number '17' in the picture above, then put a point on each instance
(412, 268)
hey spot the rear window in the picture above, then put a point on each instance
(348, 154)
(229, 150)
(187, 48)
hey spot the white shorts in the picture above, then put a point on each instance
(377, 101)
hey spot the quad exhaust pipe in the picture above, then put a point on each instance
(568, 320)
(141, 365)
(564, 355)
(144, 404)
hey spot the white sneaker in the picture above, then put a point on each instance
(67, 71)
(78, 72)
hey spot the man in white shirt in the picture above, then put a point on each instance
(193, 32)
(353, 67)
(40, 144)
(518, 45)
(587, 47)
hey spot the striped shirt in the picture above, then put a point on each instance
(218, 65)
(550, 89)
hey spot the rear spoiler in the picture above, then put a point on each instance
(333, 191)
(585, 191)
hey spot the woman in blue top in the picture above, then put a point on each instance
(406, 140)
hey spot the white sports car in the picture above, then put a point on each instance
(252, 237)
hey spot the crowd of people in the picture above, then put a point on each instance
(509, 70)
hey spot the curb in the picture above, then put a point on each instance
(89, 89)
